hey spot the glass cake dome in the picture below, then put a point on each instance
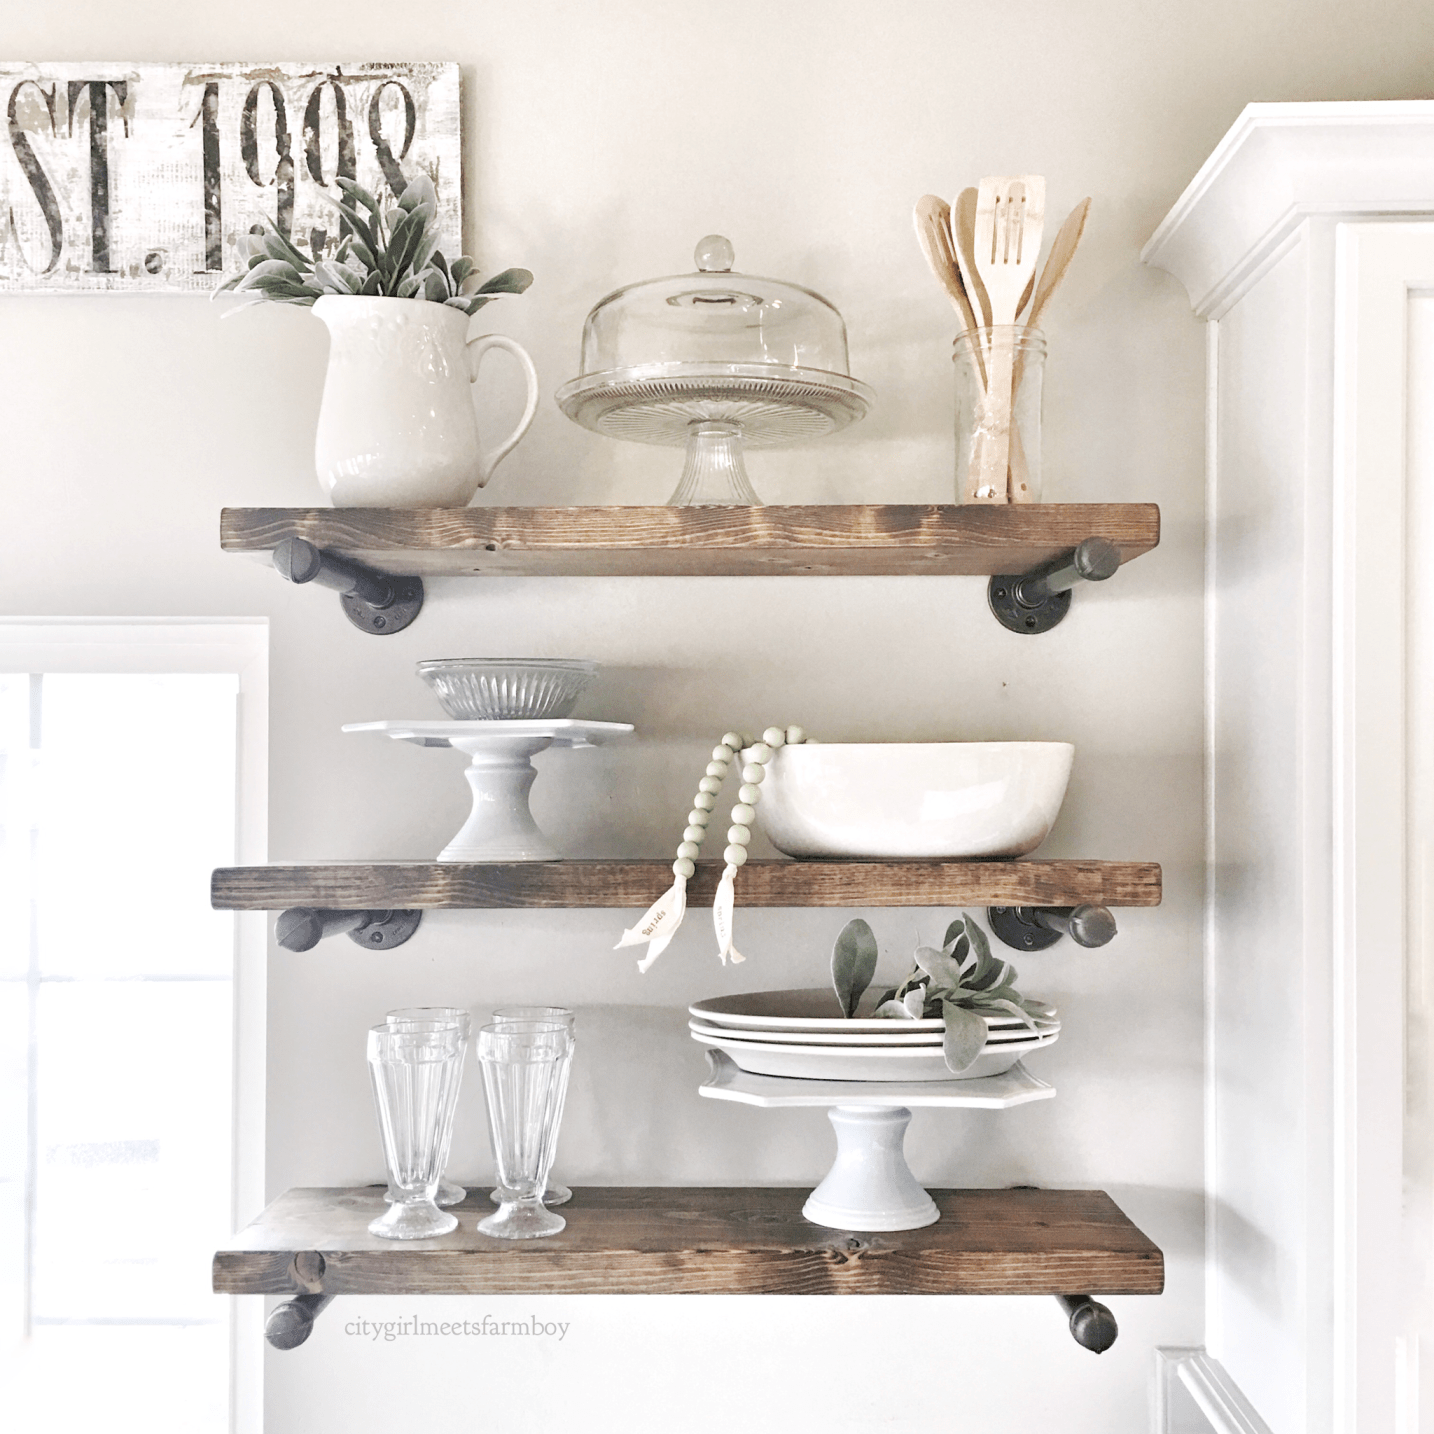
(714, 361)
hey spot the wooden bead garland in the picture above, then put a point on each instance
(660, 922)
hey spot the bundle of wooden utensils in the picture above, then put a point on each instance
(984, 251)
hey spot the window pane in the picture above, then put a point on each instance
(117, 797)
(137, 790)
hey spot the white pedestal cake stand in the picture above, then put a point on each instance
(501, 773)
(870, 1186)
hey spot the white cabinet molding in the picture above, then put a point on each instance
(1303, 239)
(1279, 165)
(1214, 1393)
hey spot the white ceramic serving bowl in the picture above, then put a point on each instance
(508, 689)
(914, 800)
(885, 1063)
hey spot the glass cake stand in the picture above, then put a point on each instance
(715, 362)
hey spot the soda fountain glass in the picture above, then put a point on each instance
(412, 1073)
(522, 1079)
(553, 1192)
(423, 1018)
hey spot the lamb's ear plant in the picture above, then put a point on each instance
(853, 964)
(384, 253)
(959, 982)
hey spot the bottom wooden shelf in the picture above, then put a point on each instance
(717, 1240)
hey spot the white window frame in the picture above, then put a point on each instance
(239, 646)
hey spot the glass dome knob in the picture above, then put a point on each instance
(714, 254)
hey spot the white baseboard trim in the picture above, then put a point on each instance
(1216, 1395)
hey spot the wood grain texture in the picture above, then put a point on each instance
(619, 885)
(644, 1240)
(869, 539)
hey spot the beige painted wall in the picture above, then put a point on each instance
(603, 141)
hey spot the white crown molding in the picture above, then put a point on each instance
(1279, 165)
(1216, 1395)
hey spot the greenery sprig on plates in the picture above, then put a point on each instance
(957, 982)
(385, 253)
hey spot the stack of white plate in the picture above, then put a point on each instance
(797, 1033)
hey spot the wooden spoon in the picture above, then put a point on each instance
(963, 231)
(1058, 261)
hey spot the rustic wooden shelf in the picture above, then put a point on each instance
(894, 539)
(655, 1240)
(428, 886)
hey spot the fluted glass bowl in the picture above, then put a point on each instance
(507, 689)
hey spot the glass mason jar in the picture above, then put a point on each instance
(998, 414)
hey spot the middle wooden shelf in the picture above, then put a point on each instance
(431, 886)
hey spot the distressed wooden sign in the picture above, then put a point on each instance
(139, 177)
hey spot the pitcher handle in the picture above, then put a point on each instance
(477, 347)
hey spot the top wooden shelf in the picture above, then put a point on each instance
(898, 539)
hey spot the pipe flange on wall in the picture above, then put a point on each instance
(1036, 602)
(1033, 928)
(301, 928)
(375, 602)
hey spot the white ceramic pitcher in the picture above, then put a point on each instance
(397, 427)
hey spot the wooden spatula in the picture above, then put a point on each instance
(1058, 261)
(1010, 217)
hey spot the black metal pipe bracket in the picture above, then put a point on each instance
(301, 928)
(373, 601)
(1033, 928)
(292, 1322)
(1036, 602)
(1093, 1327)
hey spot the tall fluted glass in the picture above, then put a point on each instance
(523, 1077)
(554, 1193)
(412, 1074)
(436, 1018)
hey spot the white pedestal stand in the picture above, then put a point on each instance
(501, 773)
(870, 1186)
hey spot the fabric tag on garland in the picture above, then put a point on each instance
(658, 924)
(722, 917)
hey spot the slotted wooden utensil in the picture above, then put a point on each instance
(932, 217)
(1010, 217)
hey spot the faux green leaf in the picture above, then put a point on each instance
(893, 1011)
(938, 965)
(278, 247)
(389, 252)
(357, 193)
(418, 190)
(510, 281)
(965, 1037)
(853, 964)
(1015, 1009)
(269, 269)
